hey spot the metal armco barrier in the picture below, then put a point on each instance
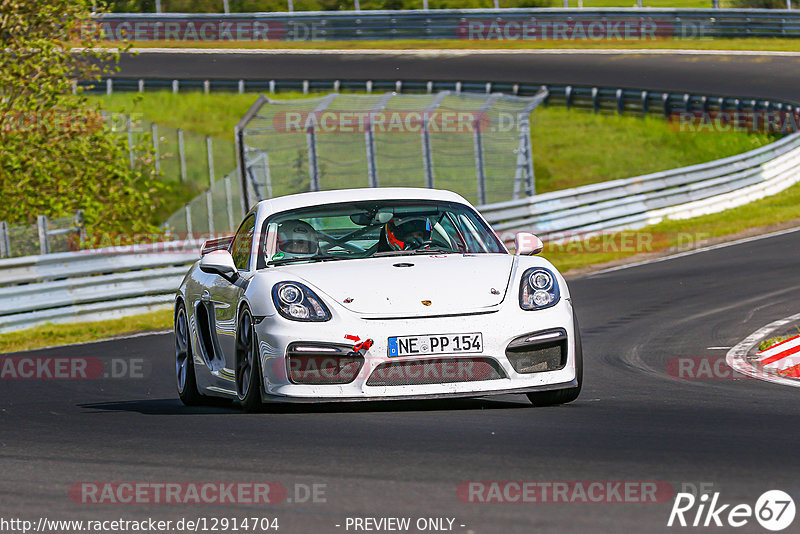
(91, 285)
(467, 24)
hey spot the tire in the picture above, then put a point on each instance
(248, 373)
(563, 396)
(185, 378)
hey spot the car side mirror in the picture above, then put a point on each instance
(220, 262)
(527, 244)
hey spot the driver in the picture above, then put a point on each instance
(408, 233)
(297, 238)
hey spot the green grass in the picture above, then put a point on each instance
(759, 216)
(571, 147)
(575, 147)
(50, 335)
(763, 44)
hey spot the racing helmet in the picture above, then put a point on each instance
(408, 233)
(297, 238)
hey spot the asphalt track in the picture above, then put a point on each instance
(761, 76)
(633, 421)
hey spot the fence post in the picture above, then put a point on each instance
(357, 5)
(210, 156)
(267, 174)
(4, 248)
(44, 241)
(131, 155)
(369, 138)
(225, 7)
(210, 209)
(425, 5)
(229, 204)
(211, 180)
(109, 86)
(158, 6)
(427, 158)
(427, 153)
(181, 155)
(524, 159)
(477, 140)
(644, 104)
(480, 172)
(156, 155)
(291, 6)
(313, 166)
(188, 213)
(311, 141)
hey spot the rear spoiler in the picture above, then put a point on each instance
(220, 243)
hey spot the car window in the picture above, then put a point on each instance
(242, 243)
(357, 230)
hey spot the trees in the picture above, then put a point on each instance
(56, 153)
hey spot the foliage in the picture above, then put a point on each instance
(58, 155)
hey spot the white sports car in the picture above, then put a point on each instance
(373, 294)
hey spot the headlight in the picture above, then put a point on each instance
(538, 289)
(296, 302)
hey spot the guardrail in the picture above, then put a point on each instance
(594, 24)
(91, 285)
(595, 98)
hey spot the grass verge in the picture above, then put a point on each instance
(50, 335)
(768, 44)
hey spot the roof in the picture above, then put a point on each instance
(317, 198)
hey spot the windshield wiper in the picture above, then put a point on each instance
(412, 252)
(318, 257)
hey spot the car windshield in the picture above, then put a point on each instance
(356, 230)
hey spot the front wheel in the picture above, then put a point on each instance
(563, 396)
(184, 361)
(248, 375)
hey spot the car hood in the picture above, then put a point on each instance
(399, 286)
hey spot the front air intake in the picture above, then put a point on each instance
(538, 352)
(319, 364)
(435, 371)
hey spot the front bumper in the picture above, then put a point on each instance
(499, 328)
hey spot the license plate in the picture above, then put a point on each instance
(436, 344)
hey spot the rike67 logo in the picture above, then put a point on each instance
(774, 510)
